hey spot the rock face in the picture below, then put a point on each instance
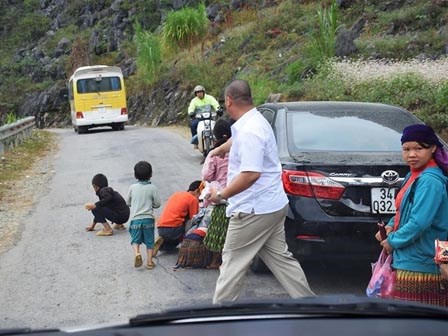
(111, 26)
(345, 45)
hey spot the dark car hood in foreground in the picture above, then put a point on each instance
(315, 315)
(337, 306)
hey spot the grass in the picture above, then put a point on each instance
(14, 163)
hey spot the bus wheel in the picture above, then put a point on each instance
(82, 129)
(118, 127)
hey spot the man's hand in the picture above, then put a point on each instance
(90, 206)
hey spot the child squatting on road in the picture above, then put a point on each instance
(142, 198)
(111, 206)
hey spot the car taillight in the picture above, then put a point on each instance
(311, 184)
(124, 111)
(79, 115)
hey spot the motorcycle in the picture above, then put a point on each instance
(207, 117)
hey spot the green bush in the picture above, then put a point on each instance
(10, 118)
(208, 74)
(185, 28)
(149, 54)
(441, 98)
(407, 90)
(261, 86)
(32, 26)
(323, 41)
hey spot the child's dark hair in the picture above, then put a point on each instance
(194, 185)
(143, 171)
(100, 180)
(222, 131)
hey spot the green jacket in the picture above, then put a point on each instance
(207, 100)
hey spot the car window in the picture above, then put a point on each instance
(268, 114)
(350, 131)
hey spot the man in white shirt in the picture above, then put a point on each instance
(257, 202)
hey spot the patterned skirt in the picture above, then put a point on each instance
(192, 253)
(217, 229)
(422, 287)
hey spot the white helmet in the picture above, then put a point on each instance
(198, 88)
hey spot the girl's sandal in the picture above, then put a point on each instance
(138, 260)
(150, 266)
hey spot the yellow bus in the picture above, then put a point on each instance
(97, 98)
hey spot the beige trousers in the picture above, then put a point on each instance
(247, 235)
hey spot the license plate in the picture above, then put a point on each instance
(383, 200)
(101, 109)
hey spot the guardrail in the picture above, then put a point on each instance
(12, 135)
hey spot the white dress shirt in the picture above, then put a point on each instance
(254, 149)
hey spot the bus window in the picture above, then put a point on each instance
(90, 85)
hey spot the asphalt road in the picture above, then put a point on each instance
(59, 275)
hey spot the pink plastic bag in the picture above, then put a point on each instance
(207, 191)
(382, 282)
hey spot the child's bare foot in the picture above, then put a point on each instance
(91, 227)
(105, 233)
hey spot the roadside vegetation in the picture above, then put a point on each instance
(287, 49)
(14, 163)
(290, 49)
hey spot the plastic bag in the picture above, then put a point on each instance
(209, 186)
(382, 282)
(441, 251)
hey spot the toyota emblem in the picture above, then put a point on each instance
(390, 176)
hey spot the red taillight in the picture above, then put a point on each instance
(311, 238)
(311, 184)
(124, 111)
(79, 115)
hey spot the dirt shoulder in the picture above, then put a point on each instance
(19, 199)
(184, 131)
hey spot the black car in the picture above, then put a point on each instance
(342, 166)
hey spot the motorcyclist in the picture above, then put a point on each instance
(200, 99)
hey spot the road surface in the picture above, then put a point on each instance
(59, 275)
